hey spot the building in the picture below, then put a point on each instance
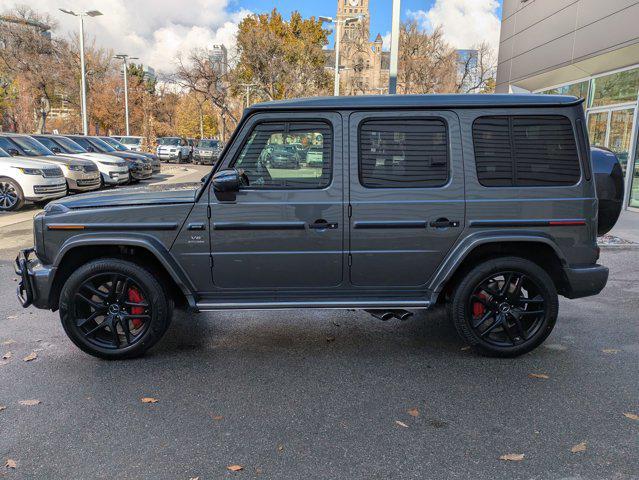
(364, 66)
(149, 74)
(219, 59)
(586, 48)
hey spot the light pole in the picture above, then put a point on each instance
(83, 85)
(338, 35)
(394, 53)
(124, 57)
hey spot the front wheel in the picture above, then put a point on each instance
(11, 195)
(114, 309)
(505, 307)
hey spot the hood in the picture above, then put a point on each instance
(94, 157)
(146, 195)
(25, 162)
(129, 156)
(63, 160)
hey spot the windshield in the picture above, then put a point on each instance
(131, 140)
(169, 141)
(31, 147)
(114, 143)
(101, 145)
(208, 143)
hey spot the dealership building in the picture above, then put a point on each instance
(585, 48)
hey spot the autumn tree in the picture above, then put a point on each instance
(282, 59)
(477, 70)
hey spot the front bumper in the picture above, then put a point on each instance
(45, 192)
(167, 155)
(35, 280)
(585, 281)
(84, 184)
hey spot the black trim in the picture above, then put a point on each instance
(260, 226)
(527, 223)
(114, 226)
(367, 225)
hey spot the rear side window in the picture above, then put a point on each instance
(523, 151)
(403, 153)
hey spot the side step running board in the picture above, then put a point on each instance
(395, 306)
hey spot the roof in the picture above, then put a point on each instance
(419, 101)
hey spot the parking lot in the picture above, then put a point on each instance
(325, 394)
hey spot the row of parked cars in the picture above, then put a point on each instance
(43, 167)
(205, 151)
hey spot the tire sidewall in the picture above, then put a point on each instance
(458, 306)
(160, 315)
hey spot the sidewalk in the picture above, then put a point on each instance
(627, 226)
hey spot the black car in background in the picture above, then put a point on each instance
(284, 156)
(207, 152)
(156, 165)
(139, 166)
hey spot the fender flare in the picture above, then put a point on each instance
(461, 251)
(149, 243)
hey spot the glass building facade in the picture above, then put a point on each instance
(611, 110)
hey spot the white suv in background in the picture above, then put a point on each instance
(113, 170)
(25, 179)
(173, 148)
(132, 143)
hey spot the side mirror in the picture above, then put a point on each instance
(230, 180)
(56, 150)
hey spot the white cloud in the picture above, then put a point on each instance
(465, 22)
(386, 39)
(153, 30)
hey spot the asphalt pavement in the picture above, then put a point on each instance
(324, 395)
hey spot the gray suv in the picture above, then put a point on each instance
(485, 203)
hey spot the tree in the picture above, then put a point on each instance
(476, 72)
(282, 59)
(201, 125)
(427, 64)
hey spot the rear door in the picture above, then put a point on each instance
(406, 195)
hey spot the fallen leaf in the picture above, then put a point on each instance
(611, 350)
(280, 448)
(512, 457)
(631, 416)
(32, 356)
(7, 356)
(9, 342)
(149, 400)
(401, 424)
(10, 464)
(330, 339)
(542, 376)
(413, 412)
(12, 317)
(235, 468)
(580, 447)
(2, 407)
(217, 417)
(29, 403)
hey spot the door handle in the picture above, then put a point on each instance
(444, 223)
(322, 225)
(196, 226)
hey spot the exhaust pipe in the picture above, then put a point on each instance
(402, 314)
(383, 315)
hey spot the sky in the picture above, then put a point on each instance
(156, 31)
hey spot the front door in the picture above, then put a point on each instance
(285, 231)
(406, 195)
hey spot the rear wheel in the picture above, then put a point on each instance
(505, 307)
(11, 195)
(114, 309)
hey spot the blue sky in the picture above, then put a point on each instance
(381, 10)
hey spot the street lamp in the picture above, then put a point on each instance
(338, 34)
(394, 53)
(83, 85)
(124, 57)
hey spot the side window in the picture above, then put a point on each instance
(47, 142)
(403, 153)
(288, 155)
(527, 150)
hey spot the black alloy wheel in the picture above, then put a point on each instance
(505, 306)
(114, 309)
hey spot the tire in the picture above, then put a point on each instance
(97, 336)
(11, 195)
(495, 321)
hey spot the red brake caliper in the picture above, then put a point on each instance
(478, 308)
(135, 297)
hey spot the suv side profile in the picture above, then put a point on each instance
(485, 203)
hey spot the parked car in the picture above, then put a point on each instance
(173, 148)
(207, 152)
(131, 143)
(156, 165)
(139, 167)
(315, 157)
(284, 156)
(464, 219)
(113, 171)
(81, 175)
(26, 179)
(117, 137)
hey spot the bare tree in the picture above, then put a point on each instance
(476, 70)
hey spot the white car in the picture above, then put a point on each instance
(26, 179)
(113, 170)
(132, 143)
(173, 148)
